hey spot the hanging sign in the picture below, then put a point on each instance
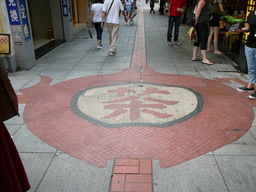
(5, 45)
(24, 18)
(13, 12)
(65, 8)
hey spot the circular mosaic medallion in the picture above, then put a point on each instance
(137, 104)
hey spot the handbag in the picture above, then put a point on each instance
(90, 34)
(191, 19)
(192, 35)
(215, 11)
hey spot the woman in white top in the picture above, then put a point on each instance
(128, 8)
(96, 17)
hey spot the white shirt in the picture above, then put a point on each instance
(113, 15)
(97, 10)
(128, 2)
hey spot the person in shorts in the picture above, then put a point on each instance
(128, 7)
(214, 30)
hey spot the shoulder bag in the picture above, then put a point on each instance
(215, 11)
(191, 17)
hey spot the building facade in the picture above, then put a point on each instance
(36, 27)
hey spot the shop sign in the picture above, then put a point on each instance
(65, 8)
(5, 47)
(24, 18)
(250, 8)
(13, 12)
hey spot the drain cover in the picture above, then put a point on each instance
(223, 68)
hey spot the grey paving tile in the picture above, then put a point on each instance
(78, 73)
(238, 172)
(253, 131)
(36, 165)
(248, 138)
(62, 66)
(68, 60)
(26, 141)
(116, 65)
(12, 129)
(61, 75)
(88, 66)
(91, 59)
(109, 71)
(237, 150)
(70, 174)
(199, 174)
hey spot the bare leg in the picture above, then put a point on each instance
(210, 39)
(195, 51)
(250, 85)
(204, 59)
(215, 40)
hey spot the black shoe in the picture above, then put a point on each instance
(253, 96)
(244, 89)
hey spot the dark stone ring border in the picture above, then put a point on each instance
(196, 111)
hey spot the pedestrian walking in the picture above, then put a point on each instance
(110, 14)
(152, 5)
(13, 177)
(201, 12)
(162, 6)
(128, 8)
(134, 11)
(250, 53)
(214, 30)
(95, 18)
(176, 8)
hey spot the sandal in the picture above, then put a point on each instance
(207, 62)
(218, 53)
(197, 59)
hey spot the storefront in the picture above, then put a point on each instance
(232, 43)
(35, 28)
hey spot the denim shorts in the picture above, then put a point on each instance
(128, 8)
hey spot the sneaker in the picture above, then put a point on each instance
(244, 89)
(99, 47)
(126, 23)
(170, 43)
(253, 96)
(112, 53)
(177, 43)
(131, 23)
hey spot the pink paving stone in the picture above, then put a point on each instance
(117, 184)
(138, 178)
(127, 162)
(23, 99)
(126, 169)
(138, 187)
(145, 166)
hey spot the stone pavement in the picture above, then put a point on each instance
(146, 119)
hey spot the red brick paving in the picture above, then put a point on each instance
(139, 49)
(132, 175)
(49, 116)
